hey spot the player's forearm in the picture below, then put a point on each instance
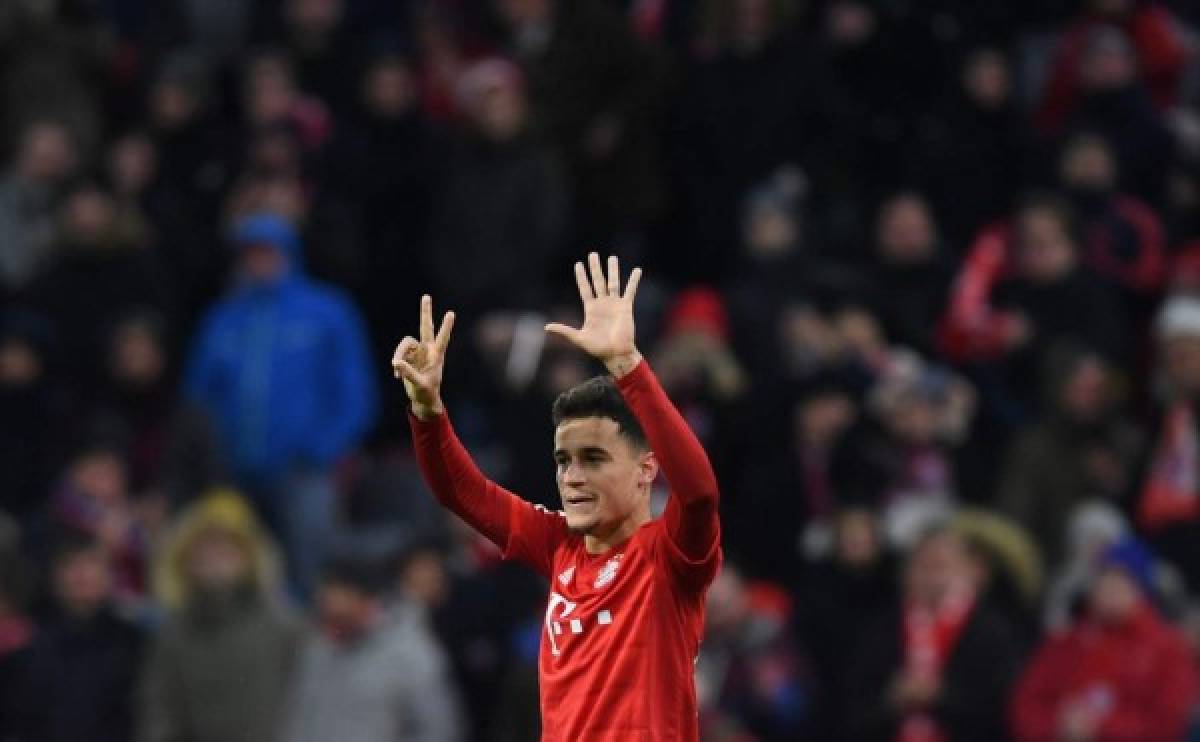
(456, 482)
(679, 452)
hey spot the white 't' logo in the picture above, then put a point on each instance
(568, 607)
(558, 610)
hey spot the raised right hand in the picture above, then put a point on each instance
(419, 363)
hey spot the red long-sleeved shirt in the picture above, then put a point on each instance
(623, 627)
(1140, 675)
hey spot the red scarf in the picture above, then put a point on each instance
(930, 635)
(1169, 495)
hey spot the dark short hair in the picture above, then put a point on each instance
(599, 397)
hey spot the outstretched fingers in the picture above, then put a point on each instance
(443, 335)
(585, 286)
(631, 288)
(598, 282)
(614, 276)
(426, 319)
(565, 331)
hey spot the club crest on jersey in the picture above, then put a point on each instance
(608, 571)
(565, 576)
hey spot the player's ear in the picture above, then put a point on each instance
(647, 467)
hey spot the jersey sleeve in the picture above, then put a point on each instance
(692, 544)
(524, 532)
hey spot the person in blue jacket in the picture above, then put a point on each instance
(282, 364)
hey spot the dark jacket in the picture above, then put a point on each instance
(1079, 308)
(835, 608)
(592, 66)
(909, 299)
(1050, 470)
(86, 288)
(500, 218)
(975, 162)
(976, 681)
(76, 682)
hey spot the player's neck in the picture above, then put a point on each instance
(598, 544)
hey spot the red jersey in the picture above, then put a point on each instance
(622, 628)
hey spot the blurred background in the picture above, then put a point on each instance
(924, 276)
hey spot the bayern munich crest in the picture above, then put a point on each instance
(608, 571)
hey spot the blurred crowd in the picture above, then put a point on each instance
(924, 276)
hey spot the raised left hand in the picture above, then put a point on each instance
(608, 330)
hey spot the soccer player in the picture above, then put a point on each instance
(626, 607)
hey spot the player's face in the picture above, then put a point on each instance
(602, 478)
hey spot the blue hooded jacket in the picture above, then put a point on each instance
(283, 367)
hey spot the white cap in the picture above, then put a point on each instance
(1179, 316)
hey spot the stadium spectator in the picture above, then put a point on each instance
(484, 613)
(975, 147)
(593, 93)
(46, 157)
(318, 41)
(1167, 506)
(745, 61)
(939, 666)
(193, 141)
(1011, 571)
(92, 500)
(173, 450)
(750, 678)
(1119, 673)
(1159, 44)
(910, 271)
(387, 157)
(503, 205)
(1114, 103)
(76, 679)
(798, 488)
(373, 671)
(1091, 528)
(1122, 238)
(780, 274)
(219, 577)
(101, 269)
(838, 601)
(1080, 449)
(1021, 291)
(905, 456)
(271, 97)
(282, 366)
(35, 411)
(172, 220)
(696, 364)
